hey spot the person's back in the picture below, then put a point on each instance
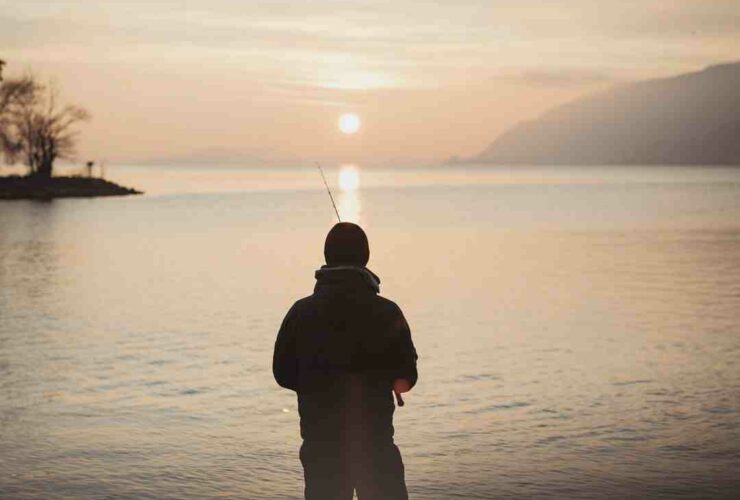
(343, 349)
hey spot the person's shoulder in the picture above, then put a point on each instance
(388, 305)
(302, 304)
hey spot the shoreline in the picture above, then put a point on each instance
(17, 187)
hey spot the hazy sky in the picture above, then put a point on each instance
(252, 82)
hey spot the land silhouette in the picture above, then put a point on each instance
(34, 187)
(689, 119)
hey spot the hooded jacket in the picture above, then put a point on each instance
(340, 349)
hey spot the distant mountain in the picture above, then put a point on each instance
(224, 156)
(690, 119)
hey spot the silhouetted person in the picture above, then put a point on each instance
(344, 349)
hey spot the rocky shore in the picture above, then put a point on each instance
(39, 188)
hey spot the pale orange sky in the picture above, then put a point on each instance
(253, 83)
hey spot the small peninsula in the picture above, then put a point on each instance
(36, 130)
(34, 187)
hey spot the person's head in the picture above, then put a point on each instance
(346, 244)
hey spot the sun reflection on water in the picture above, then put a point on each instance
(349, 197)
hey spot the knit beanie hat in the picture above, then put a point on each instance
(346, 244)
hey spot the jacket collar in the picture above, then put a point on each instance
(347, 277)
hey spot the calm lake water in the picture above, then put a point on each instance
(578, 331)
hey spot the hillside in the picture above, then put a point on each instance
(690, 119)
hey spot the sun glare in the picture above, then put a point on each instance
(349, 178)
(349, 123)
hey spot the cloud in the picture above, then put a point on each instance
(167, 76)
(415, 42)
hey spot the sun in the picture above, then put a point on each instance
(349, 123)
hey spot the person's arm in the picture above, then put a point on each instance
(284, 362)
(406, 374)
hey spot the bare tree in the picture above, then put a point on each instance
(35, 128)
(12, 94)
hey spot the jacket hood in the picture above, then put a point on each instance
(347, 277)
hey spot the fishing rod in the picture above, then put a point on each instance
(399, 398)
(329, 191)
